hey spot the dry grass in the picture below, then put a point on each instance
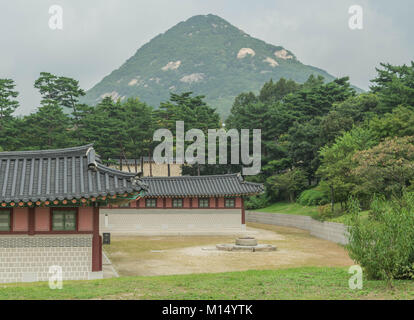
(153, 256)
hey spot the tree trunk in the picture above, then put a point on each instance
(332, 199)
(150, 161)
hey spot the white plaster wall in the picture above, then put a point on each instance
(170, 221)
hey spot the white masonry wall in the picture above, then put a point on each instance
(335, 232)
(171, 221)
(26, 258)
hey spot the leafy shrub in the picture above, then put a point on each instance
(384, 244)
(313, 197)
(324, 212)
(257, 202)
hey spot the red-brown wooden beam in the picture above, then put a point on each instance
(96, 242)
(32, 221)
(243, 212)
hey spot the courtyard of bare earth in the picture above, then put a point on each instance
(174, 255)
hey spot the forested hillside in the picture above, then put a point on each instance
(206, 55)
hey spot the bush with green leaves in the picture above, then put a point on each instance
(257, 202)
(313, 197)
(384, 244)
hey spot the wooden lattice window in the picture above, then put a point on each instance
(177, 203)
(230, 203)
(151, 203)
(5, 220)
(64, 220)
(203, 203)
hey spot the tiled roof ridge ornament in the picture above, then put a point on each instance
(91, 155)
(136, 181)
(239, 175)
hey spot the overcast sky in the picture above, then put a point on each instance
(98, 36)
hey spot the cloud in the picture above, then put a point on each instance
(99, 35)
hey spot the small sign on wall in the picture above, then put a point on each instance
(106, 238)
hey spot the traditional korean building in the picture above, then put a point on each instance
(186, 205)
(49, 212)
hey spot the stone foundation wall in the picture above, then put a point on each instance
(335, 232)
(26, 258)
(170, 221)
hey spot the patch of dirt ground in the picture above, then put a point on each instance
(172, 255)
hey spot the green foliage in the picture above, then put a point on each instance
(394, 86)
(47, 128)
(207, 49)
(337, 161)
(8, 104)
(384, 244)
(287, 185)
(387, 168)
(398, 123)
(324, 212)
(61, 91)
(344, 115)
(256, 202)
(313, 197)
(273, 92)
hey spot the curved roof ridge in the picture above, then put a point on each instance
(60, 174)
(50, 152)
(201, 186)
(102, 168)
(193, 177)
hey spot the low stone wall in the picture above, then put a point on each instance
(26, 258)
(335, 232)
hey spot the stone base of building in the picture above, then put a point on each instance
(26, 258)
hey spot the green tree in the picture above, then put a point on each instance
(48, 128)
(387, 168)
(8, 104)
(394, 85)
(140, 126)
(273, 92)
(288, 185)
(196, 114)
(317, 99)
(346, 114)
(337, 162)
(384, 244)
(398, 123)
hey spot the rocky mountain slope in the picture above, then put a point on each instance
(205, 55)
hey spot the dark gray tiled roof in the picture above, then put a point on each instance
(71, 173)
(201, 186)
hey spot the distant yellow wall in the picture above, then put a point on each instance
(158, 170)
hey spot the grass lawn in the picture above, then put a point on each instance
(343, 218)
(290, 208)
(301, 283)
(297, 209)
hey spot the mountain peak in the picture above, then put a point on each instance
(208, 18)
(206, 55)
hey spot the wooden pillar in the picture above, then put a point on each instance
(96, 242)
(243, 212)
(32, 221)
